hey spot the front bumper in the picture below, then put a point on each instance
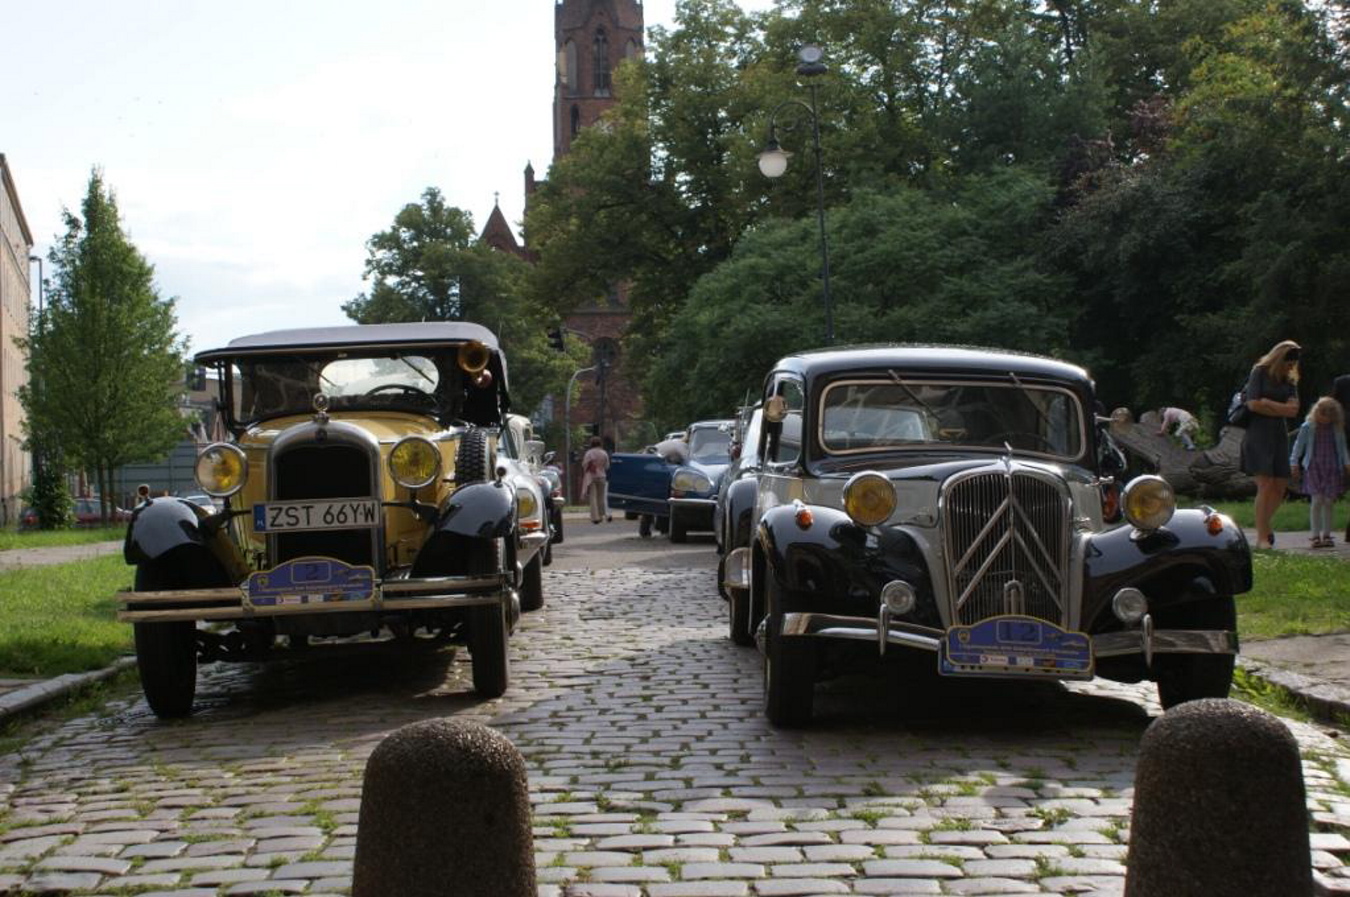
(233, 603)
(883, 632)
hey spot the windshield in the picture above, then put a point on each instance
(900, 413)
(275, 386)
(710, 445)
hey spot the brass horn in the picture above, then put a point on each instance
(473, 357)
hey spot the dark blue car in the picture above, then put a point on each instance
(678, 490)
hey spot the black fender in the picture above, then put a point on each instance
(839, 565)
(159, 525)
(480, 511)
(738, 525)
(1181, 562)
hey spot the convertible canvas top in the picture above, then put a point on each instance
(433, 333)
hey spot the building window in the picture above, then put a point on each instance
(576, 120)
(569, 66)
(601, 67)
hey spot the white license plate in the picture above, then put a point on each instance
(333, 513)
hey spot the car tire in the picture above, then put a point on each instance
(789, 668)
(532, 584)
(488, 650)
(678, 532)
(738, 617)
(472, 461)
(662, 525)
(558, 528)
(645, 526)
(1188, 677)
(166, 657)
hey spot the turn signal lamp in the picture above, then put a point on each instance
(1149, 502)
(869, 498)
(414, 462)
(221, 470)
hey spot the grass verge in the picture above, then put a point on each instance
(61, 618)
(13, 539)
(1291, 517)
(1294, 595)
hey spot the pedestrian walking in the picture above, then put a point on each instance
(1180, 423)
(1340, 391)
(595, 480)
(1320, 460)
(1272, 398)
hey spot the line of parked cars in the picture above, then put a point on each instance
(376, 482)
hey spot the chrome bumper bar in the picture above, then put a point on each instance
(883, 631)
(232, 602)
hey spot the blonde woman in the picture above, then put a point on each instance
(1272, 397)
(1320, 459)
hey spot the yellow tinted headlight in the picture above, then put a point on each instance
(869, 498)
(690, 481)
(221, 469)
(526, 506)
(414, 462)
(1149, 502)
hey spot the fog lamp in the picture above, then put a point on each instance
(1149, 502)
(869, 498)
(1129, 605)
(221, 469)
(414, 462)
(898, 596)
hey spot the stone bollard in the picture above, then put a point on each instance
(445, 812)
(1219, 806)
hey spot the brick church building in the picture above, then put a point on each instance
(591, 38)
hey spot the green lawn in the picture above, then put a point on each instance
(1295, 595)
(12, 539)
(62, 618)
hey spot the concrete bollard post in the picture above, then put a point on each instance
(1219, 806)
(445, 812)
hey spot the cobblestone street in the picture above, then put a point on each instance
(653, 772)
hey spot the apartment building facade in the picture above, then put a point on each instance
(16, 286)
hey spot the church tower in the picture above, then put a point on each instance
(592, 37)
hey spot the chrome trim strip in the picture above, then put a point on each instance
(1166, 641)
(860, 629)
(694, 502)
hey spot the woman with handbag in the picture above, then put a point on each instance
(1272, 398)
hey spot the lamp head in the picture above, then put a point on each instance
(773, 160)
(809, 64)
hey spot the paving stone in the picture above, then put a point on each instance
(61, 882)
(85, 864)
(792, 887)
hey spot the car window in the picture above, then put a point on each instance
(910, 413)
(710, 445)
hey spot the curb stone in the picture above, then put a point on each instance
(44, 691)
(1325, 701)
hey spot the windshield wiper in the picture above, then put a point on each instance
(911, 393)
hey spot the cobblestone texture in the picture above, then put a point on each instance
(652, 771)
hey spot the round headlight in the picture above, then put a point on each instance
(869, 498)
(414, 462)
(526, 505)
(690, 481)
(1149, 502)
(221, 469)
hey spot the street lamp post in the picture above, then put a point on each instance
(773, 163)
(567, 434)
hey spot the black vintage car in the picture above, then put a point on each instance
(962, 502)
(375, 485)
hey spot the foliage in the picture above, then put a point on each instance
(105, 360)
(430, 266)
(1196, 151)
(50, 497)
(61, 618)
(901, 261)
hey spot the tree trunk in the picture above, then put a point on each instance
(1214, 472)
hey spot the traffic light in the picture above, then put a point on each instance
(555, 338)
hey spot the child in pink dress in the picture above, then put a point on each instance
(1319, 456)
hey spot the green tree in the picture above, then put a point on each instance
(105, 359)
(430, 266)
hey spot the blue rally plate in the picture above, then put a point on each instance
(310, 580)
(1015, 646)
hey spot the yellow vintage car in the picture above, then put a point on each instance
(372, 485)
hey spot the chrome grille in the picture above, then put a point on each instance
(1007, 542)
(324, 470)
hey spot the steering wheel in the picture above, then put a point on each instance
(404, 388)
(1022, 436)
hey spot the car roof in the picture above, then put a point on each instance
(929, 359)
(411, 335)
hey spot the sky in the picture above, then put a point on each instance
(254, 147)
